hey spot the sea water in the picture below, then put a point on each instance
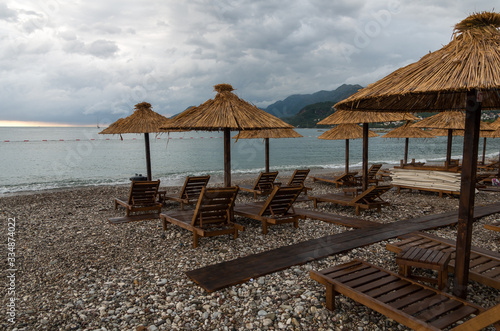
(38, 158)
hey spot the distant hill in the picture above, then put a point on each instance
(311, 114)
(293, 104)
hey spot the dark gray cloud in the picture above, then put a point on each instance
(94, 60)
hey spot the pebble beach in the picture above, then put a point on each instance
(75, 271)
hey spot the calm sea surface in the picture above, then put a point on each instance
(46, 158)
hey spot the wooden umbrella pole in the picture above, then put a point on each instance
(365, 156)
(484, 151)
(448, 147)
(406, 150)
(266, 143)
(227, 157)
(148, 155)
(346, 155)
(467, 192)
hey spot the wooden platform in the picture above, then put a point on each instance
(350, 222)
(217, 276)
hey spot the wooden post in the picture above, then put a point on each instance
(227, 157)
(266, 143)
(467, 192)
(484, 151)
(365, 156)
(448, 147)
(406, 150)
(148, 155)
(346, 155)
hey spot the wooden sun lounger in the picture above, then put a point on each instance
(490, 166)
(190, 191)
(369, 199)
(212, 217)
(263, 185)
(372, 175)
(275, 210)
(410, 303)
(142, 198)
(346, 179)
(484, 265)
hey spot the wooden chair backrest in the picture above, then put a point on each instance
(373, 170)
(280, 200)
(299, 176)
(143, 193)
(371, 194)
(192, 186)
(215, 206)
(265, 181)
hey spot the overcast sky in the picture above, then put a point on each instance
(88, 62)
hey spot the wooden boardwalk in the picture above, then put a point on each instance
(221, 275)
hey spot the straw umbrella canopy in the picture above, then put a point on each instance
(462, 75)
(266, 135)
(225, 112)
(407, 131)
(346, 131)
(143, 120)
(345, 117)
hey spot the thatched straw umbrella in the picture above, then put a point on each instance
(407, 131)
(346, 117)
(266, 135)
(450, 121)
(486, 132)
(464, 74)
(228, 113)
(346, 131)
(143, 120)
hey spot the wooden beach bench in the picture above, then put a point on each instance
(263, 185)
(369, 199)
(372, 175)
(277, 209)
(298, 179)
(142, 198)
(346, 179)
(415, 305)
(484, 265)
(212, 216)
(190, 191)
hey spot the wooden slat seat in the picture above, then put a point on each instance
(142, 198)
(415, 305)
(190, 191)
(368, 199)
(213, 215)
(346, 179)
(277, 209)
(263, 185)
(484, 266)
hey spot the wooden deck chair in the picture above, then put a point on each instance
(417, 306)
(263, 185)
(298, 178)
(212, 216)
(368, 199)
(489, 166)
(142, 198)
(372, 175)
(190, 192)
(277, 209)
(346, 179)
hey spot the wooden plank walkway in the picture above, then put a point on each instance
(350, 222)
(218, 276)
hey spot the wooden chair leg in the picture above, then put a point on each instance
(264, 227)
(330, 297)
(235, 234)
(195, 239)
(182, 205)
(357, 210)
(164, 223)
(296, 223)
